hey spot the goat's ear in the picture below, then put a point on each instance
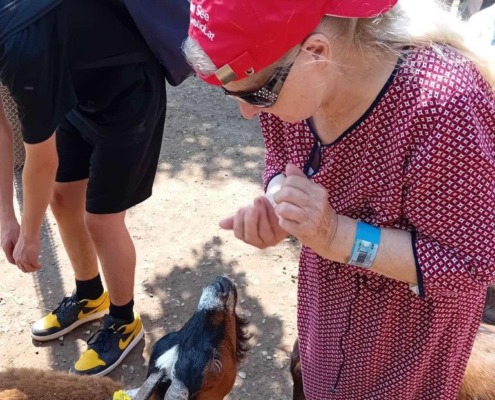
(177, 391)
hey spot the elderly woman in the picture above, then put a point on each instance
(379, 129)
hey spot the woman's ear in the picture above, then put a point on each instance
(318, 46)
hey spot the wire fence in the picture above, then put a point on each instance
(11, 111)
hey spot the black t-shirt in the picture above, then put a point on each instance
(17, 14)
(164, 24)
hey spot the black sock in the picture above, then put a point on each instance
(125, 312)
(91, 289)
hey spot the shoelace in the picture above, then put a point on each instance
(100, 340)
(65, 306)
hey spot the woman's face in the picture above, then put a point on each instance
(303, 91)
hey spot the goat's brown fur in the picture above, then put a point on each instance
(479, 379)
(34, 384)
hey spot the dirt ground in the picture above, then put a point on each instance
(211, 164)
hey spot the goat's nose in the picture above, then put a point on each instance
(223, 291)
(223, 285)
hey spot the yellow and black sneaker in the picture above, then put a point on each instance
(69, 314)
(109, 346)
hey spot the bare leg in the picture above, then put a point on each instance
(68, 206)
(295, 370)
(116, 253)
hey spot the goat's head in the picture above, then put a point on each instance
(200, 361)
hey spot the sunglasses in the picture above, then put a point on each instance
(267, 95)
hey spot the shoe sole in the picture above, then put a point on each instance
(70, 328)
(133, 344)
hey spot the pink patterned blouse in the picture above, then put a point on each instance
(422, 158)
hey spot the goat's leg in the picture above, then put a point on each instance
(295, 370)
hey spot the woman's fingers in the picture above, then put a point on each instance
(271, 214)
(256, 224)
(239, 223)
(265, 227)
(227, 223)
(292, 194)
(252, 234)
(291, 212)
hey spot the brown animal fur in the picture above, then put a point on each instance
(479, 378)
(295, 369)
(33, 384)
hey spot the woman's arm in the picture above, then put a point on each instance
(304, 212)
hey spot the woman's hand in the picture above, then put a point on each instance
(304, 211)
(256, 224)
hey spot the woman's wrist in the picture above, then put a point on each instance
(366, 244)
(340, 242)
(394, 258)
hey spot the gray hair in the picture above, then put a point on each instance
(418, 23)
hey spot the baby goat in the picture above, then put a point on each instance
(198, 362)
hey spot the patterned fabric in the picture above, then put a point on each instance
(422, 159)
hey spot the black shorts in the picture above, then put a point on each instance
(119, 176)
(85, 67)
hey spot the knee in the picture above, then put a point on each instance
(103, 226)
(94, 224)
(58, 202)
(68, 199)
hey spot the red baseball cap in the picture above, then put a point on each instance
(244, 36)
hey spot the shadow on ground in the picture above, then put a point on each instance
(205, 127)
(204, 131)
(171, 303)
(176, 302)
(47, 282)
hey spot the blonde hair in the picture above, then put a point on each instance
(415, 23)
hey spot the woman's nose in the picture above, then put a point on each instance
(247, 110)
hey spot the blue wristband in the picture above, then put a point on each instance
(365, 245)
